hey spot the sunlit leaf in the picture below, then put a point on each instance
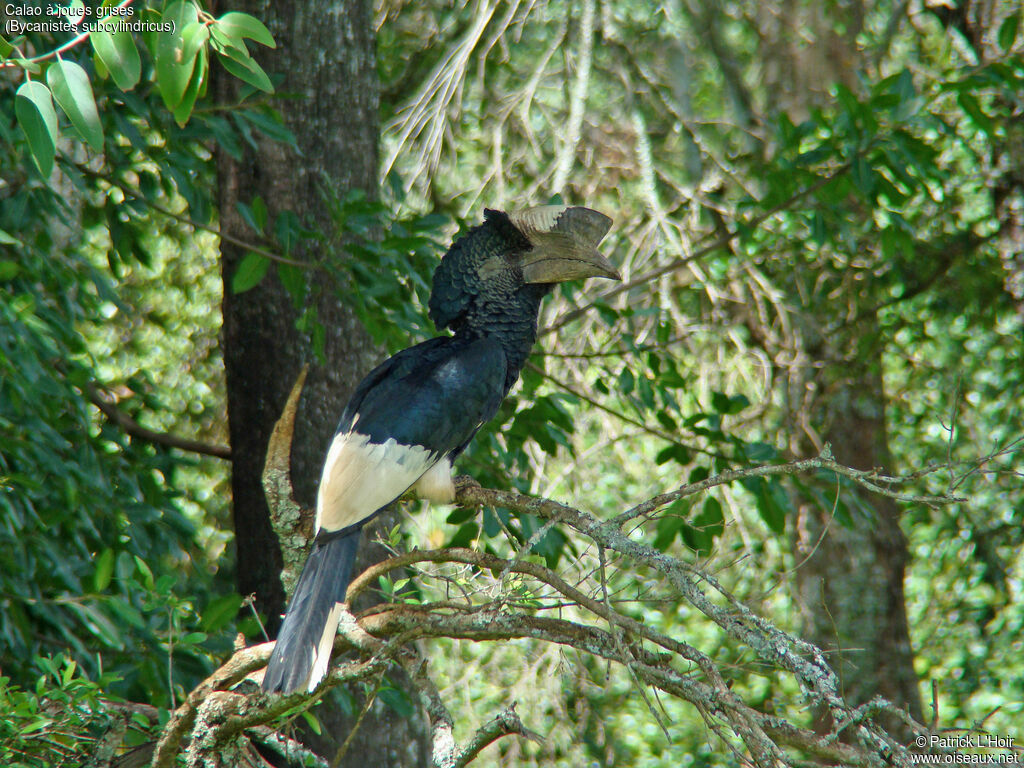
(72, 90)
(116, 49)
(104, 571)
(241, 25)
(173, 69)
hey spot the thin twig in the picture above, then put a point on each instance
(682, 261)
(619, 415)
(869, 479)
(343, 749)
(577, 100)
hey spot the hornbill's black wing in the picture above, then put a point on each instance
(411, 414)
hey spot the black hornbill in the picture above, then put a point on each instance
(414, 413)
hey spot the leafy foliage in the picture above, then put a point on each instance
(103, 533)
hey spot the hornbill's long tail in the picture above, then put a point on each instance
(306, 637)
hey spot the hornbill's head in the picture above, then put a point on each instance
(513, 259)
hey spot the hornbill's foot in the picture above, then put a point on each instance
(464, 483)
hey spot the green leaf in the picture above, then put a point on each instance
(240, 25)
(460, 515)
(71, 88)
(193, 38)
(8, 269)
(626, 381)
(220, 612)
(104, 571)
(673, 452)
(294, 281)
(144, 571)
(119, 55)
(711, 518)
(1007, 34)
(269, 122)
(465, 535)
(670, 523)
(700, 534)
(69, 673)
(727, 405)
(903, 89)
(246, 69)
(771, 502)
(249, 216)
(312, 722)
(259, 211)
(249, 272)
(35, 725)
(971, 106)
(38, 119)
(173, 70)
(397, 700)
(863, 175)
(183, 111)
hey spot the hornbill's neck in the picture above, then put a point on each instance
(509, 320)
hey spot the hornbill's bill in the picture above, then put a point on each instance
(414, 413)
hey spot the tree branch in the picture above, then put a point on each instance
(505, 723)
(292, 525)
(577, 100)
(214, 721)
(102, 401)
(868, 479)
(803, 660)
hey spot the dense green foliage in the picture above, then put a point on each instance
(113, 546)
(792, 226)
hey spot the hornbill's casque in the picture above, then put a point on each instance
(414, 413)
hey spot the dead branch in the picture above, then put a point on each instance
(292, 525)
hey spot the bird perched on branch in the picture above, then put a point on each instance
(414, 413)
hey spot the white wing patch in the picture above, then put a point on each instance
(360, 477)
(436, 485)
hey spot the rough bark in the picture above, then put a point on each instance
(328, 96)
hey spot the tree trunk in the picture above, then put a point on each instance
(850, 582)
(329, 99)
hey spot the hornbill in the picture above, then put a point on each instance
(415, 412)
